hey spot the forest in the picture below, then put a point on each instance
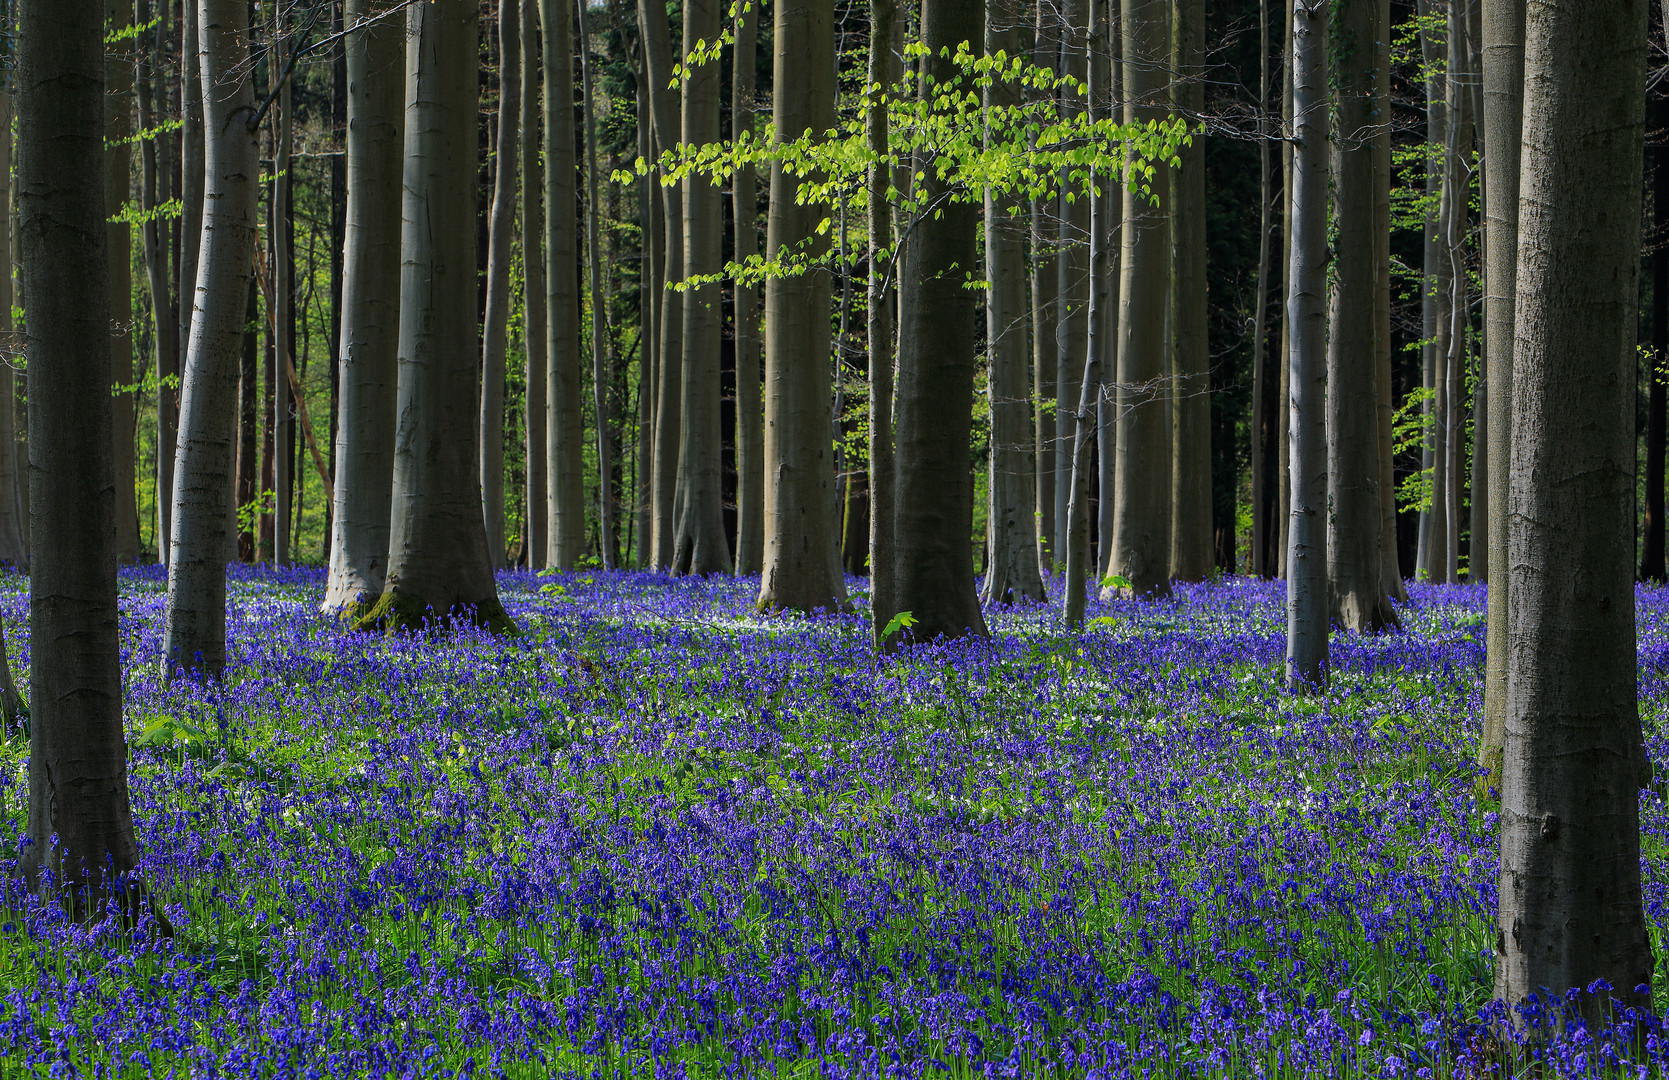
(834, 538)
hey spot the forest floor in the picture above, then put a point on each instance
(655, 835)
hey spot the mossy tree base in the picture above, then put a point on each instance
(398, 611)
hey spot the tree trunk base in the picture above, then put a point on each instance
(397, 611)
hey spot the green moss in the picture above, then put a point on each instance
(398, 611)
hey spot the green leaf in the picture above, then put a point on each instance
(1115, 581)
(902, 621)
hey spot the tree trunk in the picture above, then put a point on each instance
(1141, 485)
(533, 290)
(80, 824)
(801, 571)
(1306, 661)
(1282, 527)
(1652, 566)
(248, 450)
(1261, 516)
(933, 569)
(565, 418)
(650, 270)
(885, 39)
(281, 309)
(438, 566)
(1360, 601)
(700, 544)
(599, 309)
(164, 314)
(750, 416)
(669, 358)
(496, 321)
(1430, 559)
(190, 225)
(194, 635)
(1570, 893)
(1012, 569)
(1072, 282)
(370, 317)
(1457, 196)
(1503, 78)
(1390, 575)
(1045, 286)
(118, 133)
(14, 526)
(1191, 534)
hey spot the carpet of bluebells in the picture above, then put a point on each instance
(656, 835)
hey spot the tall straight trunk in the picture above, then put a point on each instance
(533, 290)
(438, 566)
(279, 235)
(599, 309)
(1282, 529)
(700, 544)
(1260, 561)
(154, 172)
(190, 224)
(565, 431)
(933, 568)
(369, 334)
(1012, 566)
(1431, 557)
(1570, 894)
(194, 633)
(1072, 282)
(885, 69)
(1307, 607)
(1078, 554)
(1361, 602)
(1390, 574)
(750, 415)
(1191, 529)
(14, 526)
(246, 490)
(1651, 541)
(118, 134)
(1477, 490)
(496, 320)
(338, 241)
(1141, 485)
(1503, 96)
(80, 824)
(669, 359)
(1045, 286)
(649, 322)
(801, 571)
(1457, 197)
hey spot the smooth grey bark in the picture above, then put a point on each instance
(1306, 570)
(933, 567)
(154, 182)
(438, 566)
(281, 245)
(14, 526)
(1283, 410)
(1191, 528)
(564, 387)
(1570, 893)
(600, 363)
(1045, 284)
(80, 832)
(496, 318)
(1457, 198)
(1011, 572)
(1432, 547)
(700, 543)
(649, 322)
(669, 354)
(369, 334)
(885, 69)
(1360, 600)
(191, 176)
(1142, 489)
(536, 494)
(1503, 115)
(750, 414)
(118, 143)
(194, 631)
(1072, 281)
(1260, 561)
(801, 567)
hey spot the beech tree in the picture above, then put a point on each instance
(14, 529)
(1190, 391)
(750, 414)
(537, 541)
(656, 41)
(564, 392)
(1571, 909)
(496, 319)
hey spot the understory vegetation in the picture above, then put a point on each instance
(656, 835)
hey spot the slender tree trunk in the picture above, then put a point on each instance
(1457, 196)
(1283, 412)
(370, 317)
(1360, 600)
(650, 272)
(1072, 283)
(164, 314)
(190, 224)
(495, 331)
(194, 636)
(1045, 285)
(599, 309)
(1306, 662)
(80, 824)
(438, 566)
(669, 358)
(1570, 892)
(14, 525)
(118, 133)
(1390, 576)
(1651, 542)
(1433, 543)
(247, 477)
(565, 431)
(533, 290)
(750, 416)
(1190, 529)
(1142, 507)
(885, 37)
(282, 312)
(800, 569)
(700, 544)
(1503, 78)
(1260, 561)
(1012, 569)
(933, 569)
